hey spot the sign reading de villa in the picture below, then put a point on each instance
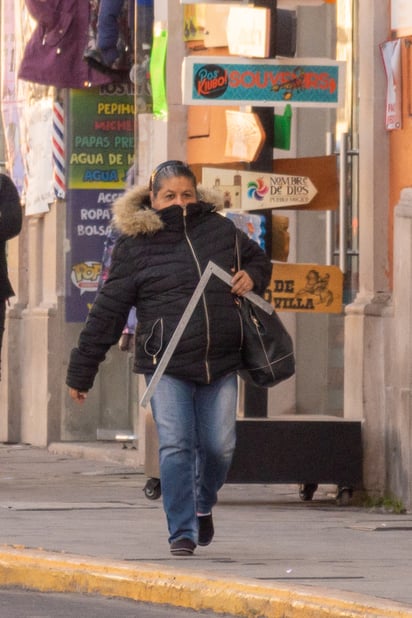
(228, 81)
(305, 288)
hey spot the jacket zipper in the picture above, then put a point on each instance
(199, 270)
(155, 354)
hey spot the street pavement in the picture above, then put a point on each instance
(74, 517)
(18, 603)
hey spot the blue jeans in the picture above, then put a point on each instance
(196, 425)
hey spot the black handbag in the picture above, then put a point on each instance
(267, 348)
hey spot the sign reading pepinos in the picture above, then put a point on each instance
(227, 81)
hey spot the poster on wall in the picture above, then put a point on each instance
(12, 101)
(26, 113)
(38, 125)
(100, 140)
(391, 55)
(213, 80)
(88, 223)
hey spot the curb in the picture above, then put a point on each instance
(61, 572)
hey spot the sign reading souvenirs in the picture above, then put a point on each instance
(306, 288)
(255, 191)
(224, 80)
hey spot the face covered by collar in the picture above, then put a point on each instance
(133, 215)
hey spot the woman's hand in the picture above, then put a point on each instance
(241, 283)
(77, 396)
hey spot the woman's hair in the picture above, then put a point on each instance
(169, 169)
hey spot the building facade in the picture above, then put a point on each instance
(353, 365)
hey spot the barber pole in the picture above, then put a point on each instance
(59, 173)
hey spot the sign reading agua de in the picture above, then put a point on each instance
(255, 191)
(308, 288)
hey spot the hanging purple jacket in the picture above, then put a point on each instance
(54, 54)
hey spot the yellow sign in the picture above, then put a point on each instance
(307, 288)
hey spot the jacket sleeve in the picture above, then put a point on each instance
(104, 323)
(10, 209)
(255, 261)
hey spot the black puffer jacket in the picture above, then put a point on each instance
(10, 226)
(156, 265)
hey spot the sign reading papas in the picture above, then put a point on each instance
(101, 137)
(308, 288)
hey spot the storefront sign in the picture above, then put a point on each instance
(100, 145)
(256, 191)
(306, 288)
(210, 80)
(101, 142)
(88, 222)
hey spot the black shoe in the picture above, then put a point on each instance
(206, 529)
(182, 547)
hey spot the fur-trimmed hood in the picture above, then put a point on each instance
(133, 215)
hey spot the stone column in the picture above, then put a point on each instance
(399, 359)
(365, 324)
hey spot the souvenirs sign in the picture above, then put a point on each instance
(306, 288)
(255, 190)
(224, 80)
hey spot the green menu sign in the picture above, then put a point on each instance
(100, 137)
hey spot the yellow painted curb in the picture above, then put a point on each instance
(60, 572)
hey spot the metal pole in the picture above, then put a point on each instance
(329, 213)
(343, 175)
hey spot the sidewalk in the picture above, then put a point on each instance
(74, 517)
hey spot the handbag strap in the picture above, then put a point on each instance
(237, 250)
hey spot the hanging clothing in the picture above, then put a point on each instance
(54, 54)
(109, 48)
